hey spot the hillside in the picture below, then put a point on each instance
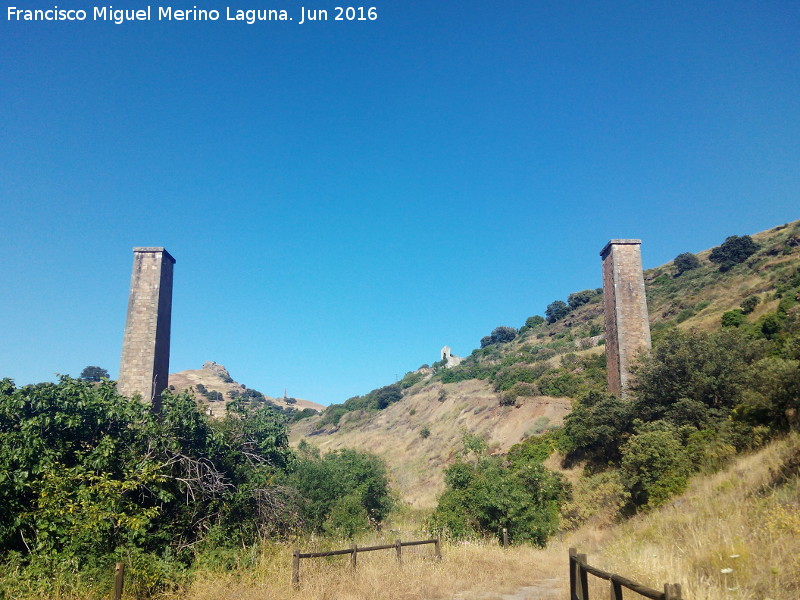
(505, 392)
(213, 377)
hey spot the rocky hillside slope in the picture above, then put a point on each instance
(212, 378)
(507, 391)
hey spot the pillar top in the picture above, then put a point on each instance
(154, 249)
(621, 242)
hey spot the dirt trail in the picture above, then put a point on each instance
(546, 589)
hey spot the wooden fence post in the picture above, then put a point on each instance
(119, 580)
(398, 547)
(296, 567)
(437, 550)
(505, 537)
(583, 578)
(572, 554)
(353, 559)
(616, 590)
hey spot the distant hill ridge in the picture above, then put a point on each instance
(214, 388)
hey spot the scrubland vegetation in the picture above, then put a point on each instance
(693, 478)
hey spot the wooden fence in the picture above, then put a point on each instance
(354, 550)
(579, 569)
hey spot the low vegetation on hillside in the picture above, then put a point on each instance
(192, 504)
(88, 477)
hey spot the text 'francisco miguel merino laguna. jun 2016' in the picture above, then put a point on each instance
(300, 15)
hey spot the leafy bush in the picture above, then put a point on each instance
(500, 335)
(556, 311)
(344, 492)
(749, 304)
(733, 318)
(685, 262)
(88, 474)
(732, 251)
(93, 374)
(596, 428)
(534, 321)
(576, 299)
(654, 466)
(483, 497)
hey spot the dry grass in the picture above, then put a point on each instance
(746, 518)
(473, 570)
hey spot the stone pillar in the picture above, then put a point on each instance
(625, 307)
(144, 368)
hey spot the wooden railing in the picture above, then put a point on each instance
(354, 550)
(579, 569)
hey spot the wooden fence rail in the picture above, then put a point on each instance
(579, 569)
(354, 550)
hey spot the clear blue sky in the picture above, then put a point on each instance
(343, 199)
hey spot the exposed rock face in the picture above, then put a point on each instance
(218, 370)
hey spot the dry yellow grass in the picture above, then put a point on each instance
(472, 570)
(746, 518)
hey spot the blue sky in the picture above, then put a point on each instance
(343, 199)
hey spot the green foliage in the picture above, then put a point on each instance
(534, 321)
(506, 377)
(708, 368)
(576, 299)
(86, 474)
(685, 262)
(733, 318)
(596, 428)
(732, 251)
(425, 432)
(93, 374)
(500, 335)
(559, 384)
(556, 311)
(483, 497)
(410, 378)
(749, 304)
(88, 477)
(654, 466)
(344, 492)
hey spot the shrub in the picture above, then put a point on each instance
(576, 299)
(732, 318)
(732, 251)
(556, 311)
(93, 374)
(489, 495)
(655, 467)
(425, 432)
(685, 262)
(500, 335)
(596, 428)
(534, 321)
(749, 304)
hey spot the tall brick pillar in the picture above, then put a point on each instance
(625, 308)
(145, 347)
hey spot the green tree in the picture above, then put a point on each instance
(734, 250)
(685, 262)
(577, 299)
(534, 321)
(654, 467)
(93, 374)
(749, 304)
(556, 311)
(733, 318)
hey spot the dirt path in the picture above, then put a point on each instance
(546, 589)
